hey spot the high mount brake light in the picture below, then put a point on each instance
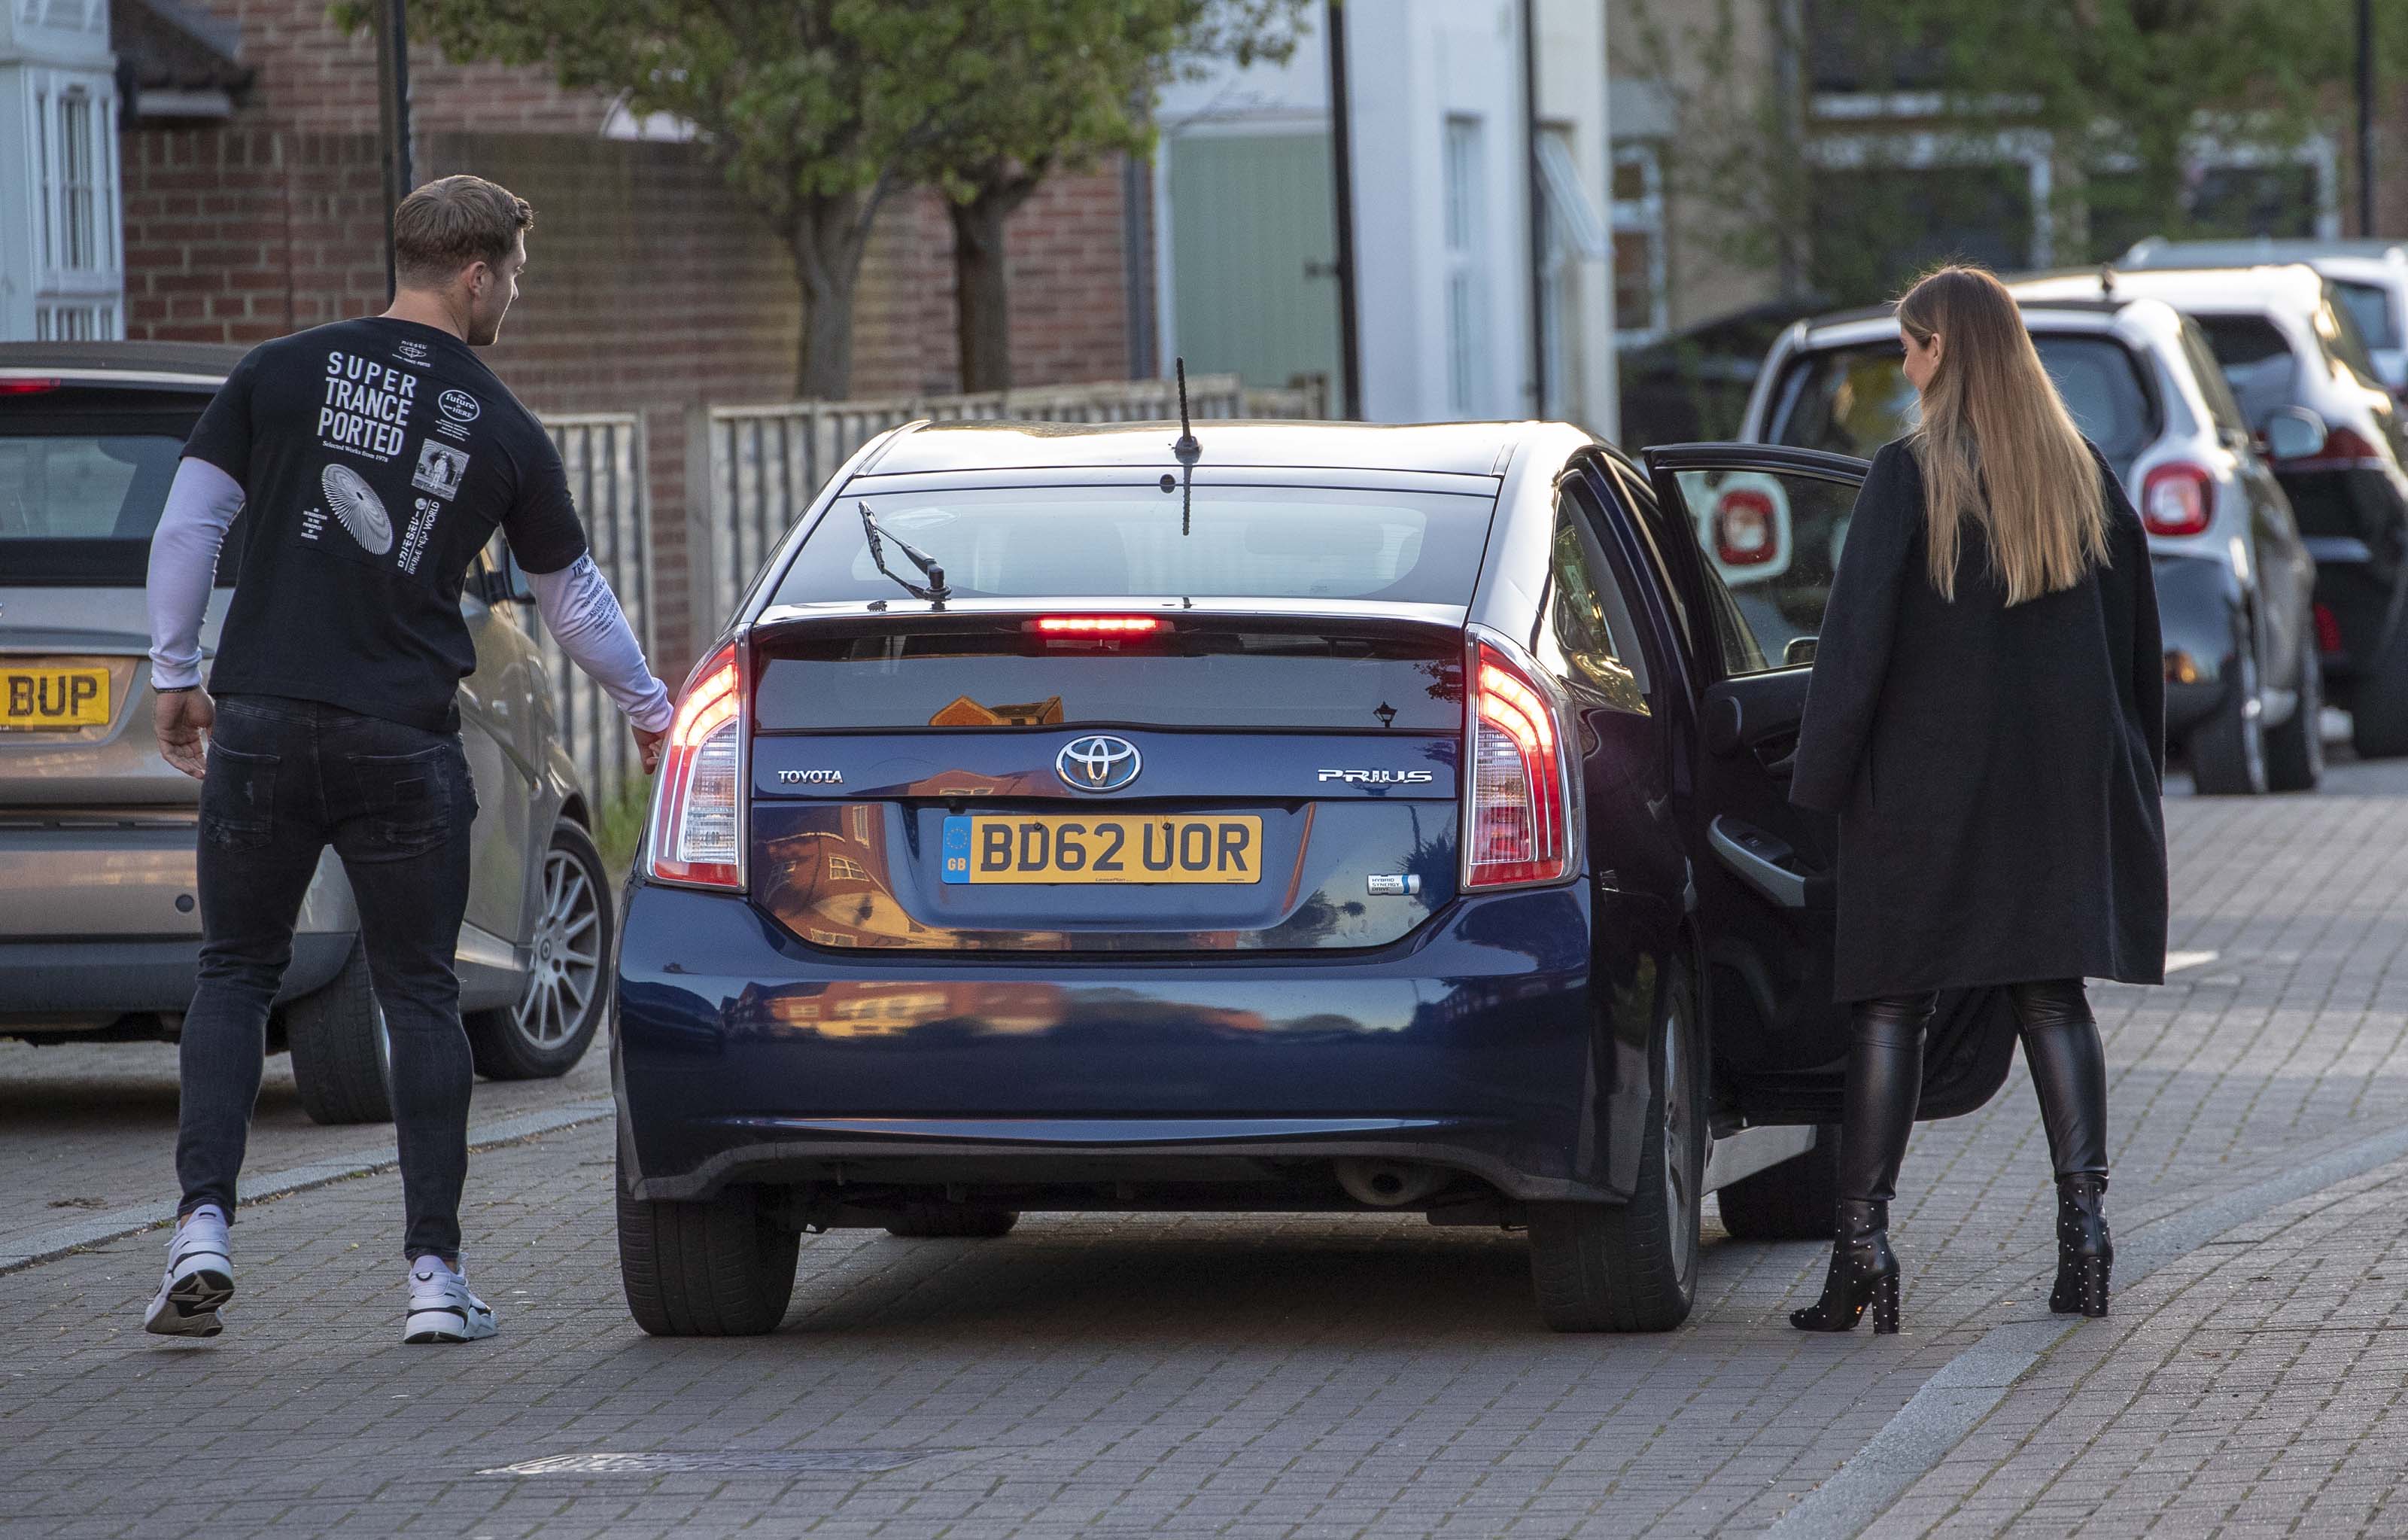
(2177, 499)
(1517, 806)
(696, 837)
(1097, 625)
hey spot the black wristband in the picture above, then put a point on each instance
(173, 689)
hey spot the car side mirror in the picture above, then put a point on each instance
(1799, 649)
(2294, 433)
(507, 582)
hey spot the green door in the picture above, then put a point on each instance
(1253, 255)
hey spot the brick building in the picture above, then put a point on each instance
(253, 207)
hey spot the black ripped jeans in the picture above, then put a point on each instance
(2069, 1070)
(286, 779)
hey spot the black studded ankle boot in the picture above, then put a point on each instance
(2086, 1253)
(1863, 1272)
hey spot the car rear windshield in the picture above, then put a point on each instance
(2370, 306)
(84, 474)
(1123, 541)
(2257, 362)
(1853, 400)
(1205, 672)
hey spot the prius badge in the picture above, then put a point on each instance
(1381, 777)
(1098, 762)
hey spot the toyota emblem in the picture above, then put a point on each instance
(1098, 762)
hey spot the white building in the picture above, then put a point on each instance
(62, 256)
(1444, 174)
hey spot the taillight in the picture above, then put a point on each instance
(2327, 630)
(2177, 499)
(1746, 532)
(697, 837)
(24, 386)
(1517, 804)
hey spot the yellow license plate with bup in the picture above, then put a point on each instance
(1103, 848)
(46, 696)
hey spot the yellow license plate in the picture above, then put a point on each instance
(52, 697)
(1102, 848)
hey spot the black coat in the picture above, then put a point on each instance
(1996, 770)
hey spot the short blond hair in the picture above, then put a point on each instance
(452, 222)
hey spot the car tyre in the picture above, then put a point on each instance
(2228, 751)
(2379, 706)
(342, 1059)
(1791, 1201)
(953, 1221)
(2294, 752)
(718, 1268)
(567, 987)
(1633, 1267)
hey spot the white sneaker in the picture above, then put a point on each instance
(441, 1309)
(199, 1280)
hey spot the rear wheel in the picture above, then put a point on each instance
(2228, 751)
(2379, 706)
(958, 1221)
(2294, 752)
(342, 1059)
(548, 1032)
(1633, 1267)
(1790, 1201)
(719, 1268)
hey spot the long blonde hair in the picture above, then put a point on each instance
(1997, 445)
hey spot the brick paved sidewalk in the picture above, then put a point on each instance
(2253, 1387)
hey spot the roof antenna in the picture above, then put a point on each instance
(1186, 449)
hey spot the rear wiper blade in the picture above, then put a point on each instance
(936, 592)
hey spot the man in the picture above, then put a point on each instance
(379, 456)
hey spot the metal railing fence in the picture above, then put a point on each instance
(758, 467)
(604, 456)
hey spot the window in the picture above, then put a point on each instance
(844, 868)
(2370, 306)
(2221, 405)
(79, 193)
(2256, 359)
(1585, 613)
(1124, 543)
(1771, 542)
(1853, 400)
(1639, 292)
(1467, 267)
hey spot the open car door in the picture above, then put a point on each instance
(1752, 535)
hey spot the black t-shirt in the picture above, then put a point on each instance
(376, 458)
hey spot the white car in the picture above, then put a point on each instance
(2371, 277)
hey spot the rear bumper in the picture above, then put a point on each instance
(56, 985)
(742, 1055)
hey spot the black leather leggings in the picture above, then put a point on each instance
(1886, 1078)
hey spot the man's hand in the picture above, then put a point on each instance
(648, 745)
(183, 721)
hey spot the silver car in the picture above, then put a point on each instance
(2234, 579)
(99, 921)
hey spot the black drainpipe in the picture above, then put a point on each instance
(1342, 176)
(1538, 191)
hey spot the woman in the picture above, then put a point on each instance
(1986, 716)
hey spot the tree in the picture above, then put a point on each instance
(810, 107)
(2123, 91)
(1054, 85)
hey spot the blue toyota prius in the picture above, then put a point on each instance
(1327, 818)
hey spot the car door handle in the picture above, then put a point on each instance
(1754, 857)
